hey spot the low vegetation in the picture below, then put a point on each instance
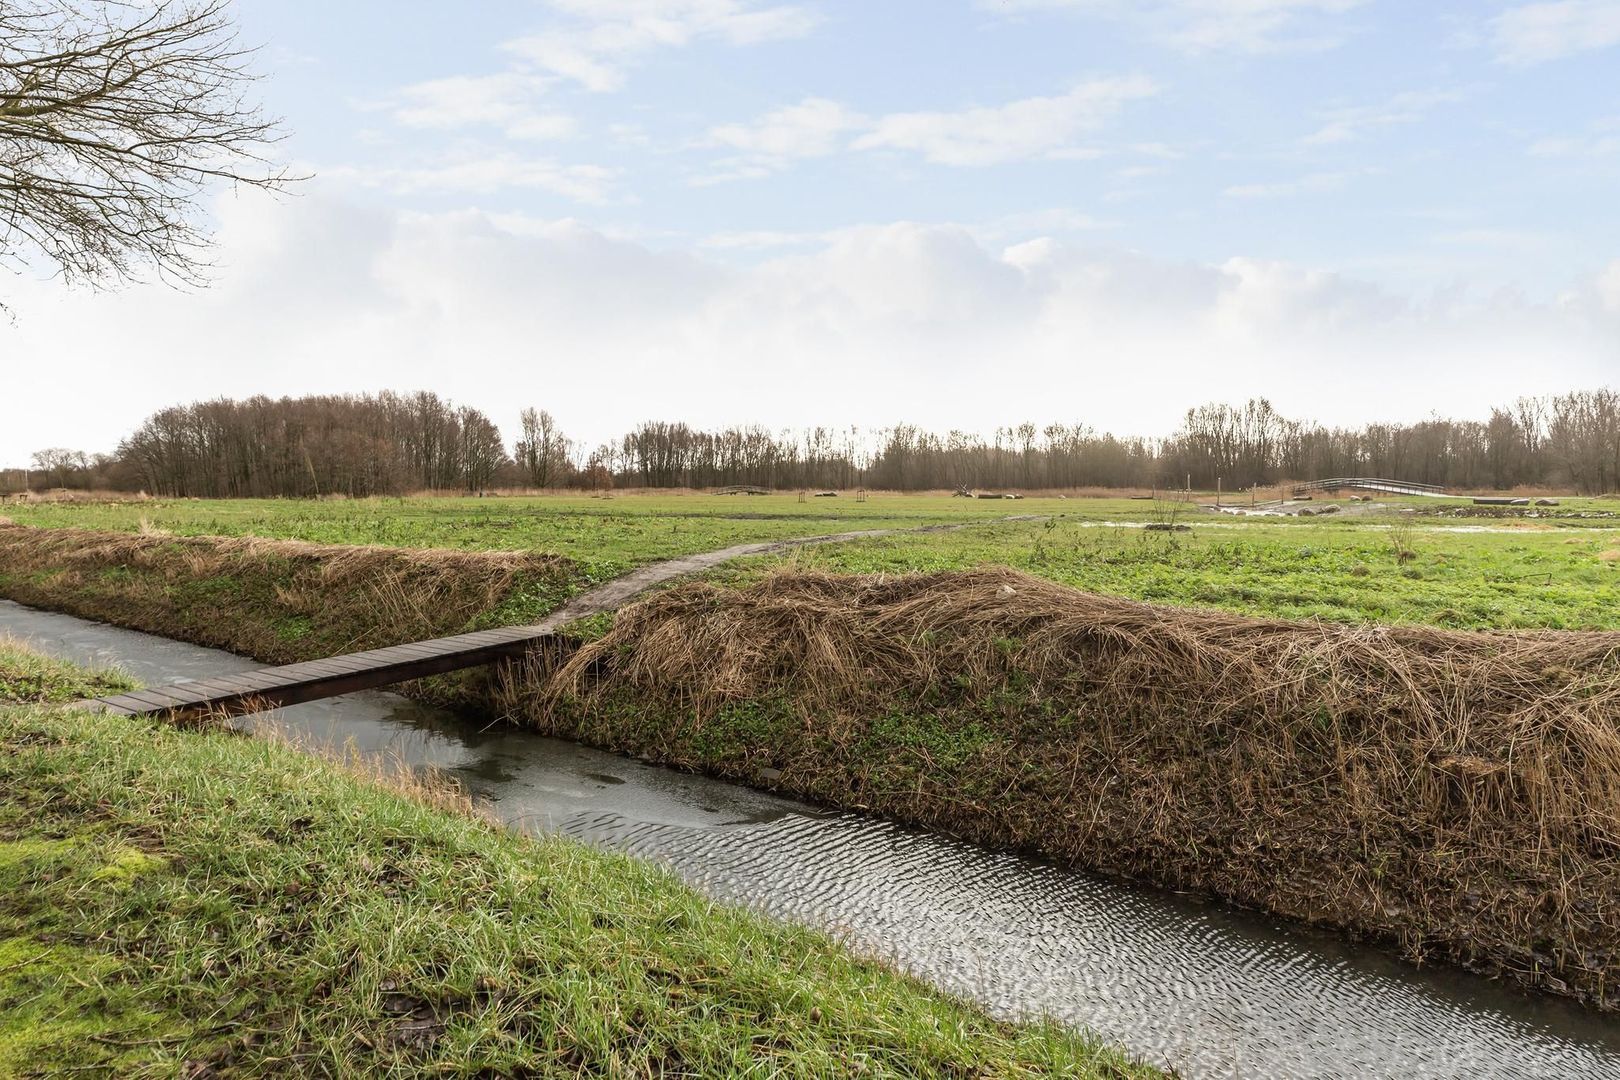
(279, 601)
(1374, 769)
(1458, 793)
(200, 904)
(1349, 571)
(26, 677)
(602, 537)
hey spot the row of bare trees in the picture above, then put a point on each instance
(392, 443)
(1567, 439)
(337, 444)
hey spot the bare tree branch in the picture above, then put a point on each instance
(115, 116)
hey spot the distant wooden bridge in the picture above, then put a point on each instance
(1372, 483)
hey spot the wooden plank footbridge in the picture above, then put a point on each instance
(293, 684)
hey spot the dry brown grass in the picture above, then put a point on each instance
(72, 495)
(276, 600)
(1459, 792)
(427, 785)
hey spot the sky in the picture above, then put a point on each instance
(955, 213)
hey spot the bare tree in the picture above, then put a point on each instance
(114, 117)
(57, 462)
(542, 451)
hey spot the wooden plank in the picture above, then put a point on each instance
(211, 687)
(328, 677)
(260, 679)
(417, 651)
(157, 698)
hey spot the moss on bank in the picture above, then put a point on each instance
(200, 904)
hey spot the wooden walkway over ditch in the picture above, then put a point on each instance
(312, 680)
(292, 684)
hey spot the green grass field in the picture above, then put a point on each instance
(1462, 571)
(1338, 570)
(176, 903)
(606, 536)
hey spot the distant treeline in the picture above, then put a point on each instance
(392, 443)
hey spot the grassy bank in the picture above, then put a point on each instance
(282, 601)
(27, 678)
(603, 537)
(1368, 571)
(1400, 560)
(208, 904)
(1457, 793)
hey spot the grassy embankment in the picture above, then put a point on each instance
(1455, 792)
(173, 903)
(602, 537)
(1545, 571)
(1531, 576)
(283, 601)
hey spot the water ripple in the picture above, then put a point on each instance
(1176, 981)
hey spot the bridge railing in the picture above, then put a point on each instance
(1370, 483)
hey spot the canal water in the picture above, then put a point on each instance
(1211, 991)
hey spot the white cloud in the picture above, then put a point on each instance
(1349, 124)
(1019, 227)
(815, 127)
(1249, 26)
(506, 100)
(1059, 220)
(484, 172)
(1534, 33)
(1607, 287)
(1310, 184)
(1036, 127)
(1601, 140)
(926, 322)
(602, 38)
(761, 240)
(812, 128)
(1028, 128)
